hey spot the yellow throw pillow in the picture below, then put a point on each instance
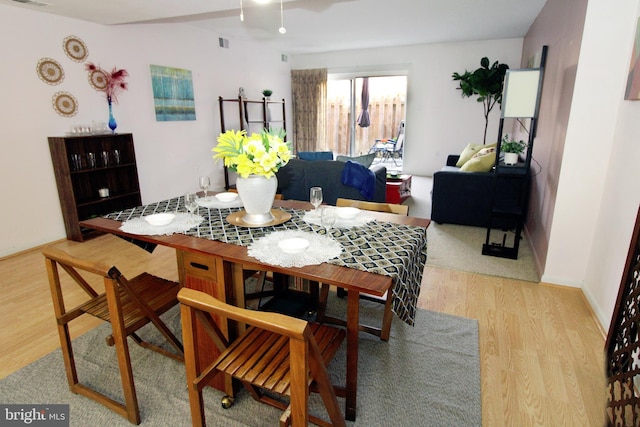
(482, 161)
(470, 151)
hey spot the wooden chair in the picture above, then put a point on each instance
(127, 305)
(277, 353)
(385, 330)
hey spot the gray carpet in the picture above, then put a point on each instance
(428, 375)
(459, 247)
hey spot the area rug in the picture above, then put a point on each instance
(427, 375)
(459, 247)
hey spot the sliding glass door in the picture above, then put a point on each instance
(384, 105)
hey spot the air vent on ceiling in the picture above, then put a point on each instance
(223, 42)
(31, 2)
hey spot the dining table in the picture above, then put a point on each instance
(387, 252)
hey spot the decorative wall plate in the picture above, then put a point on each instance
(98, 79)
(50, 71)
(65, 104)
(75, 48)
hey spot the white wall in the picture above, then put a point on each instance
(439, 121)
(599, 188)
(170, 155)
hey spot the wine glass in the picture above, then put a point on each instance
(191, 202)
(204, 184)
(315, 197)
(328, 218)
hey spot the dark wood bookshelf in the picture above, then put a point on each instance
(79, 181)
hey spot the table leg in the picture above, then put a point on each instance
(353, 315)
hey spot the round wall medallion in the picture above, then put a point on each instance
(50, 71)
(75, 48)
(98, 79)
(65, 104)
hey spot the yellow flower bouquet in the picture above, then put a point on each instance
(259, 154)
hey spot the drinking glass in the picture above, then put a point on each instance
(191, 202)
(204, 184)
(105, 158)
(315, 197)
(116, 157)
(76, 162)
(91, 160)
(328, 217)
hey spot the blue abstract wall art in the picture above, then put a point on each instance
(172, 94)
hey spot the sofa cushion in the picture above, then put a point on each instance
(365, 160)
(315, 155)
(482, 161)
(470, 151)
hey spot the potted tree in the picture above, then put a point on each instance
(512, 149)
(485, 82)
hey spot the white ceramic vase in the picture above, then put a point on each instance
(257, 194)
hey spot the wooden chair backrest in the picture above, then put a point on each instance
(274, 322)
(374, 206)
(305, 358)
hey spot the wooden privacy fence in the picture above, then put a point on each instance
(385, 113)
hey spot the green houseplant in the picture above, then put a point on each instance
(512, 149)
(485, 82)
(267, 93)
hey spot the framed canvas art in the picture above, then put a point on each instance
(172, 94)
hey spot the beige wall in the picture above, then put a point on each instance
(559, 26)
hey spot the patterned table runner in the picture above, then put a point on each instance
(395, 250)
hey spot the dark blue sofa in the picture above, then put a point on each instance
(296, 178)
(465, 198)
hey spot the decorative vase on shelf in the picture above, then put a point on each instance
(112, 120)
(257, 194)
(510, 158)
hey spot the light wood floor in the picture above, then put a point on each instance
(541, 351)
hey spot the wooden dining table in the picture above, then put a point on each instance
(216, 267)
